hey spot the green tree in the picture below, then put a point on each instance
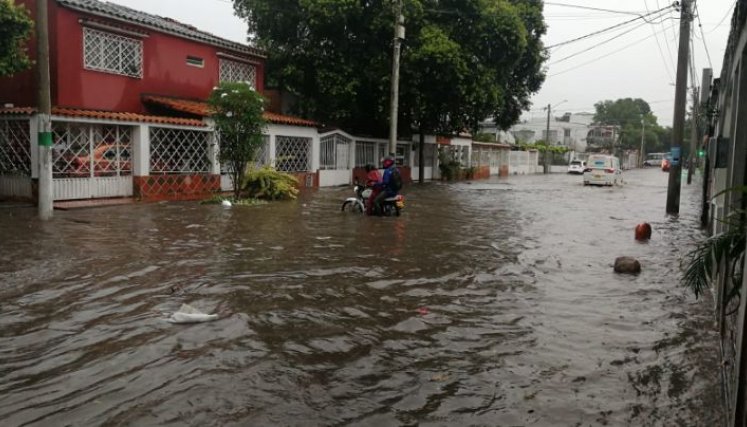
(15, 29)
(237, 112)
(629, 115)
(462, 61)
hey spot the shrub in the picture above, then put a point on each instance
(267, 183)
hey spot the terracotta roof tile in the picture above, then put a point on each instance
(17, 111)
(168, 25)
(106, 115)
(201, 108)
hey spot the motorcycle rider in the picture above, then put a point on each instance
(390, 185)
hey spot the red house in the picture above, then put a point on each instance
(129, 117)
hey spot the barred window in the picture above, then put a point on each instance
(235, 71)
(365, 153)
(178, 151)
(334, 152)
(112, 53)
(292, 154)
(15, 147)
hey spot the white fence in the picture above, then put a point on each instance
(15, 158)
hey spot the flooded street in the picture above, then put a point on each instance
(490, 303)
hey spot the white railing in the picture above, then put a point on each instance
(334, 152)
(292, 153)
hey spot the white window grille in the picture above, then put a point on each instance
(86, 151)
(401, 157)
(15, 147)
(235, 71)
(178, 151)
(428, 157)
(112, 53)
(365, 153)
(292, 154)
(335, 152)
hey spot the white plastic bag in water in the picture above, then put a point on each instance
(189, 314)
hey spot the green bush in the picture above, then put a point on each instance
(267, 183)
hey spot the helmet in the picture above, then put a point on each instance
(388, 161)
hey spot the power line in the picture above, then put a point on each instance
(726, 15)
(604, 30)
(604, 56)
(666, 42)
(600, 44)
(661, 52)
(622, 12)
(705, 45)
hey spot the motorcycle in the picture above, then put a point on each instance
(392, 206)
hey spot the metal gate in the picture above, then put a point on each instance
(91, 161)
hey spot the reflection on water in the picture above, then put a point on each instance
(490, 303)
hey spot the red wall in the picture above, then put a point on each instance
(165, 71)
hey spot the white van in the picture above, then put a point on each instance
(602, 170)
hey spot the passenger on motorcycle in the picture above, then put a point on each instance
(390, 185)
(373, 179)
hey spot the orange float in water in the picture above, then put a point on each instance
(643, 231)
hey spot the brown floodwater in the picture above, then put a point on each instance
(490, 303)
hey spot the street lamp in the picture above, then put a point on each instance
(547, 135)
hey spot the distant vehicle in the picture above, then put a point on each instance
(654, 159)
(577, 167)
(602, 170)
(105, 162)
(666, 163)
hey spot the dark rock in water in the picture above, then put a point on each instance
(627, 265)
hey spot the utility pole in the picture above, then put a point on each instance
(547, 141)
(693, 137)
(680, 104)
(45, 111)
(643, 141)
(399, 35)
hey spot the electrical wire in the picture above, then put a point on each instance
(604, 30)
(603, 56)
(661, 52)
(705, 45)
(669, 49)
(601, 44)
(622, 12)
(726, 15)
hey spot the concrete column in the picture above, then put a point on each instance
(141, 150)
(34, 147)
(213, 152)
(315, 152)
(271, 150)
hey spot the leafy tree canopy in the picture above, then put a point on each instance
(630, 115)
(238, 115)
(15, 29)
(462, 60)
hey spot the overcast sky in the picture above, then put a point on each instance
(640, 63)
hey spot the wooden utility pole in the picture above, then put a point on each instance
(399, 35)
(680, 105)
(45, 110)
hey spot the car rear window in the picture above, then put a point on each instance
(575, 162)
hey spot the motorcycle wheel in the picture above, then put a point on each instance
(349, 206)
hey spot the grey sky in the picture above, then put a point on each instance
(624, 67)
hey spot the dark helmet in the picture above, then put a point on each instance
(388, 161)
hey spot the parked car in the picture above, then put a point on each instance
(603, 170)
(105, 162)
(666, 163)
(577, 167)
(654, 159)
